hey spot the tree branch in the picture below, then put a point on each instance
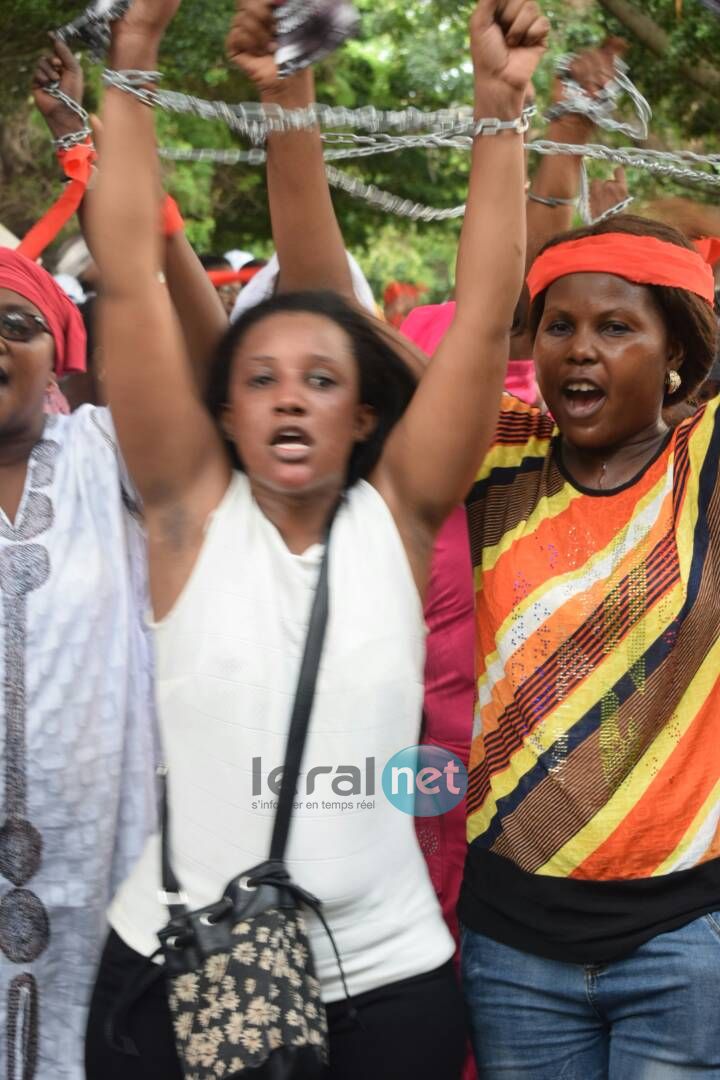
(653, 37)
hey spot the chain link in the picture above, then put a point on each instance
(74, 138)
(618, 208)
(306, 31)
(600, 108)
(390, 131)
(92, 28)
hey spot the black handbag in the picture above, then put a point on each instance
(242, 990)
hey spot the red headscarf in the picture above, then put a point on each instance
(66, 326)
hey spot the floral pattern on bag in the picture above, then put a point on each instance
(246, 1003)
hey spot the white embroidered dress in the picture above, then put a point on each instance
(79, 736)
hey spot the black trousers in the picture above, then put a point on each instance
(413, 1029)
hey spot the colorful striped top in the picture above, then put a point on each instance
(595, 764)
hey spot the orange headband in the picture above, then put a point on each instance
(709, 248)
(641, 259)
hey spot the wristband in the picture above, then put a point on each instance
(493, 126)
(172, 219)
(550, 200)
(76, 163)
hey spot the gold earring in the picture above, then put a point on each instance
(672, 382)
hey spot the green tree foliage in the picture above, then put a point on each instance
(410, 53)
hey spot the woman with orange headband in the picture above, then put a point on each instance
(591, 897)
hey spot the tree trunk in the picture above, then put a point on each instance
(653, 37)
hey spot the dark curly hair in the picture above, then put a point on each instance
(386, 383)
(689, 320)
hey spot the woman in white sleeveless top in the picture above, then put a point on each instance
(306, 400)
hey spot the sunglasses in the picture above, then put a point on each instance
(21, 326)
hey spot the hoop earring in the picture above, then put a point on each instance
(673, 382)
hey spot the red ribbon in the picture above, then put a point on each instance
(172, 218)
(76, 163)
(232, 277)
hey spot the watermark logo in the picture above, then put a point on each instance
(424, 781)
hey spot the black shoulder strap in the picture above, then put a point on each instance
(302, 708)
(172, 894)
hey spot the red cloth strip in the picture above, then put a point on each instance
(76, 163)
(172, 218)
(232, 277)
(709, 248)
(640, 259)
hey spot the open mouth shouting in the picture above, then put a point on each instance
(582, 397)
(291, 443)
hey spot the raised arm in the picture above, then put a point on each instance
(434, 452)
(306, 233)
(555, 186)
(199, 308)
(170, 443)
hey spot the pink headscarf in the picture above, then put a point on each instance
(66, 326)
(427, 326)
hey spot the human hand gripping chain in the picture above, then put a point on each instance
(148, 19)
(453, 415)
(251, 43)
(58, 86)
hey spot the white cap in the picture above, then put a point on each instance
(238, 259)
(71, 287)
(75, 257)
(8, 239)
(262, 287)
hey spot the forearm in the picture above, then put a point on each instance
(125, 223)
(199, 308)
(305, 229)
(557, 177)
(486, 290)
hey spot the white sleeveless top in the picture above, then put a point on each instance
(227, 663)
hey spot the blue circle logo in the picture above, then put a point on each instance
(424, 781)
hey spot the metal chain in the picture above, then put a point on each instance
(583, 200)
(92, 28)
(391, 204)
(600, 108)
(449, 128)
(440, 129)
(74, 138)
(306, 31)
(618, 208)
(256, 120)
(672, 164)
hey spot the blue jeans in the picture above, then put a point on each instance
(653, 1016)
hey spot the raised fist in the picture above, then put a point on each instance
(62, 68)
(146, 18)
(508, 38)
(251, 43)
(594, 68)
